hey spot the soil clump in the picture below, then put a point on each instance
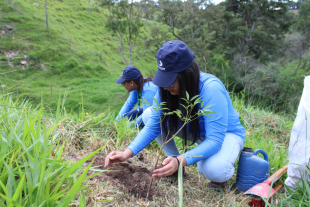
(135, 179)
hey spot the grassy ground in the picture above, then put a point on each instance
(76, 56)
(290, 66)
(264, 130)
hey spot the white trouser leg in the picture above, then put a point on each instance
(220, 166)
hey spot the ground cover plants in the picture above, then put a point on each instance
(269, 136)
(33, 170)
(81, 134)
(78, 135)
(298, 197)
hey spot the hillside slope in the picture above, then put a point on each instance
(76, 56)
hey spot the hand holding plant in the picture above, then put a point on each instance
(186, 117)
(170, 164)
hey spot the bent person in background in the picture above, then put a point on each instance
(139, 88)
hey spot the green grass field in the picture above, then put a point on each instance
(76, 57)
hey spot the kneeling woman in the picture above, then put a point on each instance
(220, 137)
(139, 88)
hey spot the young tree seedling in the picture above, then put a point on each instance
(188, 105)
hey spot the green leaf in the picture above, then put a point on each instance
(83, 160)
(194, 97)
(187, 96)
(183, 106)
(201, 104)
(184, 100)
(207, 106)
(75, 188)
(154, 99)
(19, 188)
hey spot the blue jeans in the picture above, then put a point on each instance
(220, 166)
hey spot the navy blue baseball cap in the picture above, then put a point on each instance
(172, 58)
(129, 73)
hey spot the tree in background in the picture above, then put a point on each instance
(303, 24)
(255, 28)
(89, 4)
(149, 9)
(193, 22)
(158, 36)
(124, 20)
(239, 41)
(46, 16)
(171, 14)
(296, 46)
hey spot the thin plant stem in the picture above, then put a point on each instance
(164, 143)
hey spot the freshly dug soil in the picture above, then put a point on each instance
(135, 179)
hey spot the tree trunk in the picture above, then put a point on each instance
(308, 67)
(89, 4)
(46, 14)
(297, 67)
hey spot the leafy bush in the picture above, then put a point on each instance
(266, 85)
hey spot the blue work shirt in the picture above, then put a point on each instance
(148, 93)
(213, 129)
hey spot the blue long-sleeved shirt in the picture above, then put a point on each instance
(148, 93)
(213, 128)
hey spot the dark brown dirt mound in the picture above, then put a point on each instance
(135, 179)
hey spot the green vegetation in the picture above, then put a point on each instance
(78, 60)
(77, 56)
(33, 170)
(66, 137)
(244, 43)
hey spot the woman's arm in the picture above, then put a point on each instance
(129, 104)
(149, 94)
(150, 131)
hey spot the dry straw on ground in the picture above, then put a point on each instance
(81, 139)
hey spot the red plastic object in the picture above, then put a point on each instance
(256, 203)
(264, 189)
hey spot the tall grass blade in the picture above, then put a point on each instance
(180, 183)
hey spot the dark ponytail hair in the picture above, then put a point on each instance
(188, 82)
(140, 82)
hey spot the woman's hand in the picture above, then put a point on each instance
(117, 157)
(170, 164)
